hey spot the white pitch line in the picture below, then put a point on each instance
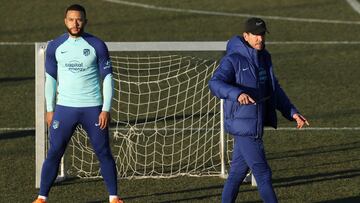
(161, 8)
(16, 129)
(270, 129)
(267, 129)
(210, 129)
(314, 42)
(355, 5)
(315, 128)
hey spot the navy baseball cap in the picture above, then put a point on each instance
(255, 26)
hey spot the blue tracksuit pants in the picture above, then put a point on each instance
(248, 153)
(62, 127)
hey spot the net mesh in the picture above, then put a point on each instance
(164, 120)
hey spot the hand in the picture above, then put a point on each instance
(104, 119)
(245, 99)
(300, 120)
(49, 118)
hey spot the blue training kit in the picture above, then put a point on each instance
(63, 125)
(246, 70)
(74, 70)
(78, 65)
(249, 153)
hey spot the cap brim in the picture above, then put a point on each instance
(259, 32)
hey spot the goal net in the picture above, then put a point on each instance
(164, 120)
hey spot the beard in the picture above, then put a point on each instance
(261, 45)
(77, 34)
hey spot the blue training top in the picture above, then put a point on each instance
(78, 65)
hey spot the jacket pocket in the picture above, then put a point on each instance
(244, 111)
(241, 127)
(229, 108)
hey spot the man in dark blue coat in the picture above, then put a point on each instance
(251, 93)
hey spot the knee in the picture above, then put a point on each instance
(262, 173)
(55, 153)
(103, 153)
(237, 173)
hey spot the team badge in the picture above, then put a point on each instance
(86, 52)
(55, 124)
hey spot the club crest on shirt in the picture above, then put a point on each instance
(86, 52)
(55, 124)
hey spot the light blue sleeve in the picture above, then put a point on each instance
(108, 88)
(50, 92)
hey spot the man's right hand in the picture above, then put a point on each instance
(245, 99)
(49, 117)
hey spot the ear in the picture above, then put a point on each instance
(246, 36)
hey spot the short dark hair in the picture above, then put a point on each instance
(76, 7)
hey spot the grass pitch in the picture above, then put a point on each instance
(321, 79)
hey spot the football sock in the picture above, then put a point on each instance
(111, 197)
(42, 197)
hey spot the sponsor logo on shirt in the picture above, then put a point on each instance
(75, 66)
(107, 64)
(86, 52)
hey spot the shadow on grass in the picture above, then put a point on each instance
(185, 192)
(191, 199)
(77, 180)
(319, 177)
(186, 196)
(345, 161)
(314, 151)
(16, 79)
(16, 134)
(204, 197)
(190, 195)
(281, 182)
(343, 200)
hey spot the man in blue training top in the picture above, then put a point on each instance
(251, 93)
(78, 62)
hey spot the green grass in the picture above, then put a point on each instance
(307, 167)
(322, 80)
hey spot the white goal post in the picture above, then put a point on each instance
(178, 134)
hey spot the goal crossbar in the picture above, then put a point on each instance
(167, 46)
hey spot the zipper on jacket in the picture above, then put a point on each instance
(258, 121)
(257, 104)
